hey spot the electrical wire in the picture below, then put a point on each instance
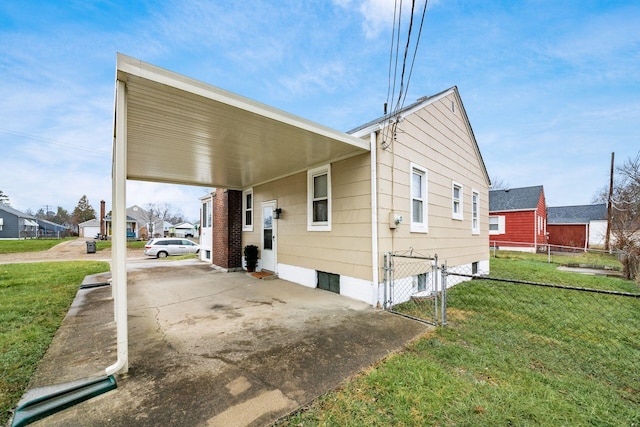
(392, 117)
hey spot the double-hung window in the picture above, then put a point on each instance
(497, 224)
(456, 198)
(418, 189)
(206, 214)
(247, 210)
(475, 212)
(319, 199)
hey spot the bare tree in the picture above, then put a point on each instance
(161, 212)
(497, 183)
(625, 218)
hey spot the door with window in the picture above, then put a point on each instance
(269, 232)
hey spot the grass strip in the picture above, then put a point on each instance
(34, 298)
(29, 245)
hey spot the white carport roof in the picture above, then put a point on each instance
(173, 129)
(183, 131)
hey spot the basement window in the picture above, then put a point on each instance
(329, 282)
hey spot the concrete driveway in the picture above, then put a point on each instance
(215, 349)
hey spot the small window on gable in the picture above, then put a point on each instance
(475, 212)
(418, 184)
(247, 210)
(319, 199)
(456, 198)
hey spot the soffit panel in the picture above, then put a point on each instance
(177, 136)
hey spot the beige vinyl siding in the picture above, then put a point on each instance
(438, 140)
(346, 249)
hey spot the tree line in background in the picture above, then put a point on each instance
(85, 212)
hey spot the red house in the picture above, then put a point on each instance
(518, 218)
(577, 227)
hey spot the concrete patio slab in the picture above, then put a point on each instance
(215, 349)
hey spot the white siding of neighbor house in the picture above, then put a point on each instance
(597, 233)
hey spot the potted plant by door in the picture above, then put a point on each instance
(251, 257)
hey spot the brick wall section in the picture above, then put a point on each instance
(227, 228)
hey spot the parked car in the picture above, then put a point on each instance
(162, 247)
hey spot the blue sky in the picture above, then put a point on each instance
(551, 88)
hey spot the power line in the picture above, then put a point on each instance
(400, 71)
(91, 150)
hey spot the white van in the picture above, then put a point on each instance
(164, 246)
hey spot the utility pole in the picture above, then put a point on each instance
(609, 205)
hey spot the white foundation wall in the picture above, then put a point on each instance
(301, 276)
(351, 287)
(358, 289)
(364, 290)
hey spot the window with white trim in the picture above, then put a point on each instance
(475, 212)
(418, 188)
(497, 224)
(247, 210)
(206, 214)
(456, 200)
(319, 199)
(1, 223)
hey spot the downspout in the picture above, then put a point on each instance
(374, 218)
(119, 233)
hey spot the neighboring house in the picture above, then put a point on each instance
(51, 229)
(147, 225)
(132, 227)
(518, 218)
(185, 229)
(206, 227)
(582, 226)
(89, 229)
(166, 229)
(15, 224)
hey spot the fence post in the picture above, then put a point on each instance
(548, 254)
(386, 279)
(444, 293)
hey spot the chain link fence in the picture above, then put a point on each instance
(413, 286)
(595, 331)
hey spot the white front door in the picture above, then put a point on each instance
(269, 232)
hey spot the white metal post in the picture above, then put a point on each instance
(374, 220)
(119, 233)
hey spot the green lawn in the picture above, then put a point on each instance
(34, 298)
(511, 355)
(586, 258)
(29, 245)
(37, 245)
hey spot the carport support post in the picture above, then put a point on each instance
(119, 233)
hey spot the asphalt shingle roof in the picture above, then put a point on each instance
(15, 212)
(513, 199)
(581, 214)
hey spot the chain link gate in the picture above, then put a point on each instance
(413, 287)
